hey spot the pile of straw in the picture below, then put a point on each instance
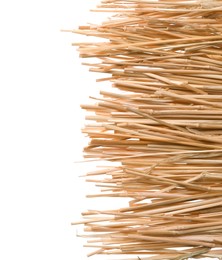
(163, 124)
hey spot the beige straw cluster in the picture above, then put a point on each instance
(162, 123)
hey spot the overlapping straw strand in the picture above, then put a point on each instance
(163, 124)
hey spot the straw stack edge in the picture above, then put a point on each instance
(162, 122)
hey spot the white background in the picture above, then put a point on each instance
(42, 85)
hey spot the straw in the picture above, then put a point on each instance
(162, 123)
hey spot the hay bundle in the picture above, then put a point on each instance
(163, 123)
